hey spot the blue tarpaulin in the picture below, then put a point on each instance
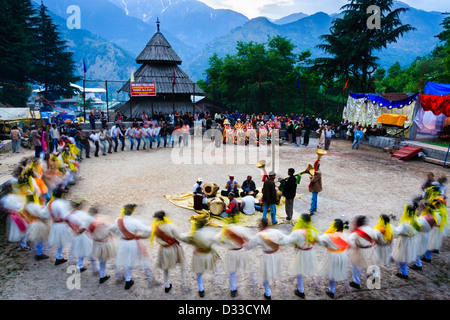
(382, 102)
(437, 88)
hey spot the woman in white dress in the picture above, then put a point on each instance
(439, 231)
(405, 244)
(303, 236)
(361, 240)
(104, 244)
(427, 220)
(82, 244)
(384, 236)
(334, 266)
(170, 252)
(272, 258)
(235, 238)
(131, 250)
(61, 234)
(204, 257)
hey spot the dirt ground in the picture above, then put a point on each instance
(364, 181)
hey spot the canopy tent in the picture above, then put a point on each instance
(434, 113)
(18, 114)
(365, 109)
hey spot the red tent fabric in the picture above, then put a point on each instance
(438, 104)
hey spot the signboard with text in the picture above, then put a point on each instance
(142, 89)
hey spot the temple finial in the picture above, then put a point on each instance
(157, 23)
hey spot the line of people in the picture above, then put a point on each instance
(61, 223)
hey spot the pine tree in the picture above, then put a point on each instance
(16, 47)
(353, 46)
(54, 66)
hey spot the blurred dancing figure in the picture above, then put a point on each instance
(334, 265)
(304, 263)
(131, 250)
(170, 252)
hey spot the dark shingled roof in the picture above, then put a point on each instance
(165, 107)
(158, 50)
(162, 75)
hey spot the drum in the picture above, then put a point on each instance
(217, 206)
(211, 189)
(279, 195)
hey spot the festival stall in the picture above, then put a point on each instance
(366, 109)
(434, 112)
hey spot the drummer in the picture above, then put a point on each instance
(231, 186)
(249, 186)
(232, 208)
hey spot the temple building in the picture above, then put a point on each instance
(159, 85)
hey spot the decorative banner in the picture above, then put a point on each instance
(436, 103)
(142, 89)
(382, 102)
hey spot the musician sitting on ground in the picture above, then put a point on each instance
(249, 204)
(231, 186)
(247, 186)
(232, 208)
(200, 199)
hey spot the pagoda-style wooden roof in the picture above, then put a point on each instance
(158, 50)
(163, 75)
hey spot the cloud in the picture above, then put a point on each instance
(279, 8)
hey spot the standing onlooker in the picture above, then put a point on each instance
(358, 135)
(94, 138)
(269, 197)
(328, 135)
(290, 131)
(16, 137)
(102, 138)
(36, 140)
(298, 134)
(315, 187)
(321, 141)
(56, 136)
(103, 120)
(289, 192)
(92, 120)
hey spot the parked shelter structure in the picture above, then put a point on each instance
(164, 86)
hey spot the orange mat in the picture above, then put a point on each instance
(392, 119)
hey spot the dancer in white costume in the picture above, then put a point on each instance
(82, 244)
(405, 246)
(304, 263)
(272, 259)
(38, 228)
(334, 265)
(131, 250)
(170, 253)
(61, 234)
(439, 231)
(104, 244)
(235, 237)
(384, 236)
(204, 257)
(361, 242)
(427, 220)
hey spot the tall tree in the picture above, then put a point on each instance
(352, 45)
(54, 66)
(444, 36)
(16, 50)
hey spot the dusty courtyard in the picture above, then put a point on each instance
(364, 181)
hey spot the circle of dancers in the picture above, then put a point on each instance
(38, 214)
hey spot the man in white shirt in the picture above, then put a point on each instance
(156, 136)
(95, 139)
(248, 204)
(328, 134)
(115, 133)
(197, 185)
